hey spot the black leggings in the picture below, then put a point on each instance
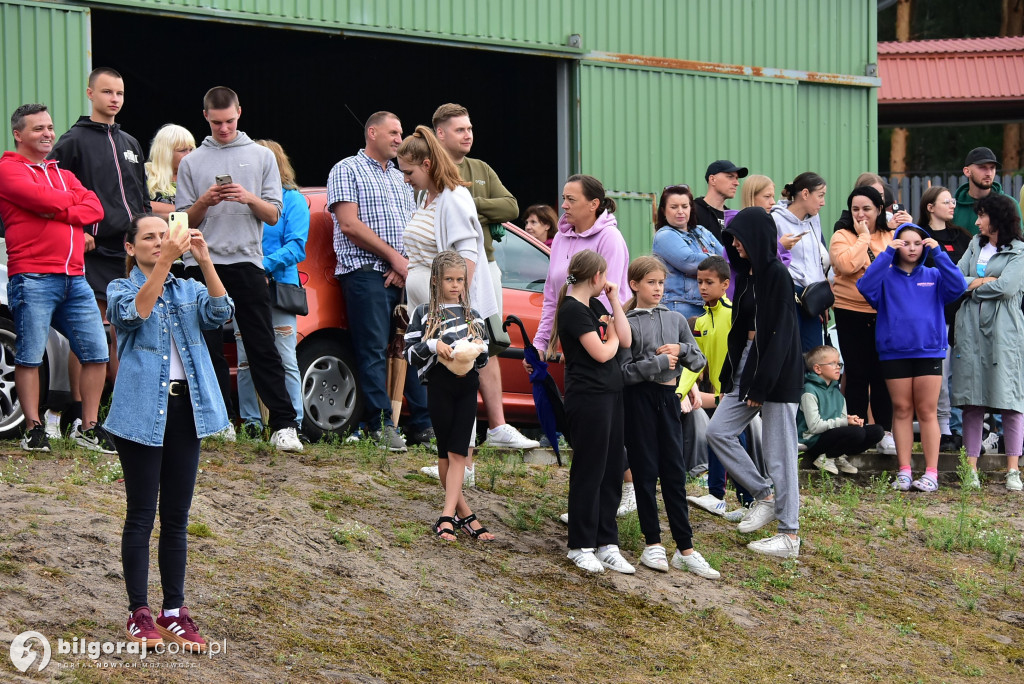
(848, 440)
(451, 402)
(856, 332)
(147, 476)
(654, 447)
(598, 459)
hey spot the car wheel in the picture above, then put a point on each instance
(11, 415)
(330, 391)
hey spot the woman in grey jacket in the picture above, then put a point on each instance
(987, 373)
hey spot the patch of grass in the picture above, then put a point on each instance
(530, 515)
(830, 552)
(969, 587)
(13, 471)
(631, 537)
(8, 566)
(198, 529)
(349, 535)
(407, 533)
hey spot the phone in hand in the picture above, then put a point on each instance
(178, 220)
(897, 207)
(223, 179)
(803, 233)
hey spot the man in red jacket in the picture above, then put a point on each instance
(43, 209)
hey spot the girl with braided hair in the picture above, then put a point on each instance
(447, 344)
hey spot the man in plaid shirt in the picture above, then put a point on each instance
(371, 204)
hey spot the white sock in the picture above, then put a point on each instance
(171, 612)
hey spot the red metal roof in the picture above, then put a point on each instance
(964, 70)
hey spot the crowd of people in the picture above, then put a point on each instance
(708, 354)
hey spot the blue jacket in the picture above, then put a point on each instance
(138, 407)
(682, 251)
(911, 319)
(284, 243)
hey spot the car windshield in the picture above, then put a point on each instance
(524, 266)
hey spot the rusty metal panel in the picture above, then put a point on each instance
(45, 59)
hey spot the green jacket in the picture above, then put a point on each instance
(494, 203)
(822, 408)
(964, 214)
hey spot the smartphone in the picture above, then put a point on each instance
(223, 179)
(896, 208)
(178, 220)
(803, 233)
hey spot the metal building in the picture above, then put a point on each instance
(640, 93)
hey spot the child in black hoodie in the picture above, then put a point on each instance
(763, 371)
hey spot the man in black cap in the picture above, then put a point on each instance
(980, 169)
(723, 179)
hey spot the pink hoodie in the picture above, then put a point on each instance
(605, 239)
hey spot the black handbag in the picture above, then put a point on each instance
(816, 298)
(498, 339)
(288, 298)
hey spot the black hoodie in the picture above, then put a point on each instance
(774, 367)
(109, 162)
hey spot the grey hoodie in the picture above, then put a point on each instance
(232, 231)
(652, 328)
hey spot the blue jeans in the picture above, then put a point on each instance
(811, 330)
(369, 306)
(39, 300)
(688, 310)
(248, 406)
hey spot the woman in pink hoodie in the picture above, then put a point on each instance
(588, 222)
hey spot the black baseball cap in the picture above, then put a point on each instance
(981, 155)
(725, 166)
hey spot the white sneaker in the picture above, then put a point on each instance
(507, 437)
(52, 422)
(709, 502)
(735, 516)
(990, 444)
(654, 557)
(76, 429)
(468, 475)
(228, 435)
(1013, 482)
(972, 481)
(886, 445)
(564, 518)
(585, 560)
(628, 503)
(760, 514)
(826, 464)
(845, 466)
(696, 564)
(780, 545)
(285, 439)
(610, 558)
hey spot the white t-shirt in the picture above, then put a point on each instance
(419, 237)
(986, 253)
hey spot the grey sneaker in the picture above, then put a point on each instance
(846, 467)
(826, 464)
(507, 437)
(735, 516)
(760, 514)
(696, 564)
(389, 438)
(780, 546)
(1013, 482)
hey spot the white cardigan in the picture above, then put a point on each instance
(457, 227)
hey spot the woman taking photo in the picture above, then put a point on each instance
(936, 215)
(796, 216)
(165, 400)
(852, 250)
(170, 145)
(682, 245)
(989, 326)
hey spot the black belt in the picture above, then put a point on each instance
(177, 388)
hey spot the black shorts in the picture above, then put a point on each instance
(100, 271)
(910, 368)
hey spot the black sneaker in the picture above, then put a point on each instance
(35, 439)
(96, 439)
(424, 437)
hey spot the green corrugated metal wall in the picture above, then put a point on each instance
(45, 59)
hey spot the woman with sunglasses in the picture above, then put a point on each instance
(682, 245)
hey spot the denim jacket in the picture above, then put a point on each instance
(138, 408)
(682, 251)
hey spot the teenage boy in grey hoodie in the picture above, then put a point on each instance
(231, 215)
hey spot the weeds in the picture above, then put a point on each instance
(13, 471)
(349, 535)
(198, 529)
(969, 587)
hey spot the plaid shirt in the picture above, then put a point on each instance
(385, 204)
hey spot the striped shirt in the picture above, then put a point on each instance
(384, 201)
(422, 353)
(419, 237)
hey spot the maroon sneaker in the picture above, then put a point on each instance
(140, 628)
(182, 630)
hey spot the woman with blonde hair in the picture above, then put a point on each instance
(758, 191)
(284, 246)
(170, 145)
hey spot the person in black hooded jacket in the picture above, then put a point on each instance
(763, 371)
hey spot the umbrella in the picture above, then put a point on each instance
(397, 365)
(546, 396)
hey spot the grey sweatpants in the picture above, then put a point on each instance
(779, 442)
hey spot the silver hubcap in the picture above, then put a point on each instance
(328, 393)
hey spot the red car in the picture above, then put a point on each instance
(330, 387)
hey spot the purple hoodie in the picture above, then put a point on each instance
(605, 239)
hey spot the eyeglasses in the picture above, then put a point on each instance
(949, 202)
(681, 186)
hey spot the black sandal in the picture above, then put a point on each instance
(464, 525)
(440, 531)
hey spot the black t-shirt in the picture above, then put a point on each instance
(583, 373)
(709, 217)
